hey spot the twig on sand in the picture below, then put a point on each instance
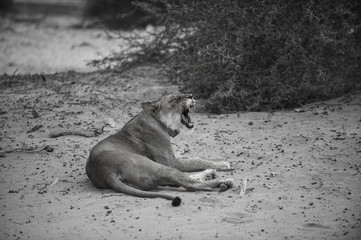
(80, 132)
(36, 128)
(28, 150)
(243, 187)
(112, 195)
(55, 182)
(35, 113)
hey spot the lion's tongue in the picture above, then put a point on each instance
(186, 120)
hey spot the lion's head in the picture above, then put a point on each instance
(172, 110)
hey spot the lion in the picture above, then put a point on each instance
(139, 157)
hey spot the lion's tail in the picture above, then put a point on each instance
(119, 186)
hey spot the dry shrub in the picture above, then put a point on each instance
(257, 55)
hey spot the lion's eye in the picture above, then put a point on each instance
(172, 98)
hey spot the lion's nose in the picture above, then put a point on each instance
(190, 96)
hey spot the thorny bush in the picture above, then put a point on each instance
(255, 55)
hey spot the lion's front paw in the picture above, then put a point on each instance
(227, 184)
(222, 165)
(206, 175)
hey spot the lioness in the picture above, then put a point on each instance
(139, 157)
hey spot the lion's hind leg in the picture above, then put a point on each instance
(116, 184)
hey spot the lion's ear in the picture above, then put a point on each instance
(151, 106)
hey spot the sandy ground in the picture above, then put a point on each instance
(303, 167)
(40, 44)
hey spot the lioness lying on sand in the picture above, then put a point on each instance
(140, 157)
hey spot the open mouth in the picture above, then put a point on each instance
(186, 120)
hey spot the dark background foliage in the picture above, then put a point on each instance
(6, 5)
(266, 54)
(253, 55)
(125, 14)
